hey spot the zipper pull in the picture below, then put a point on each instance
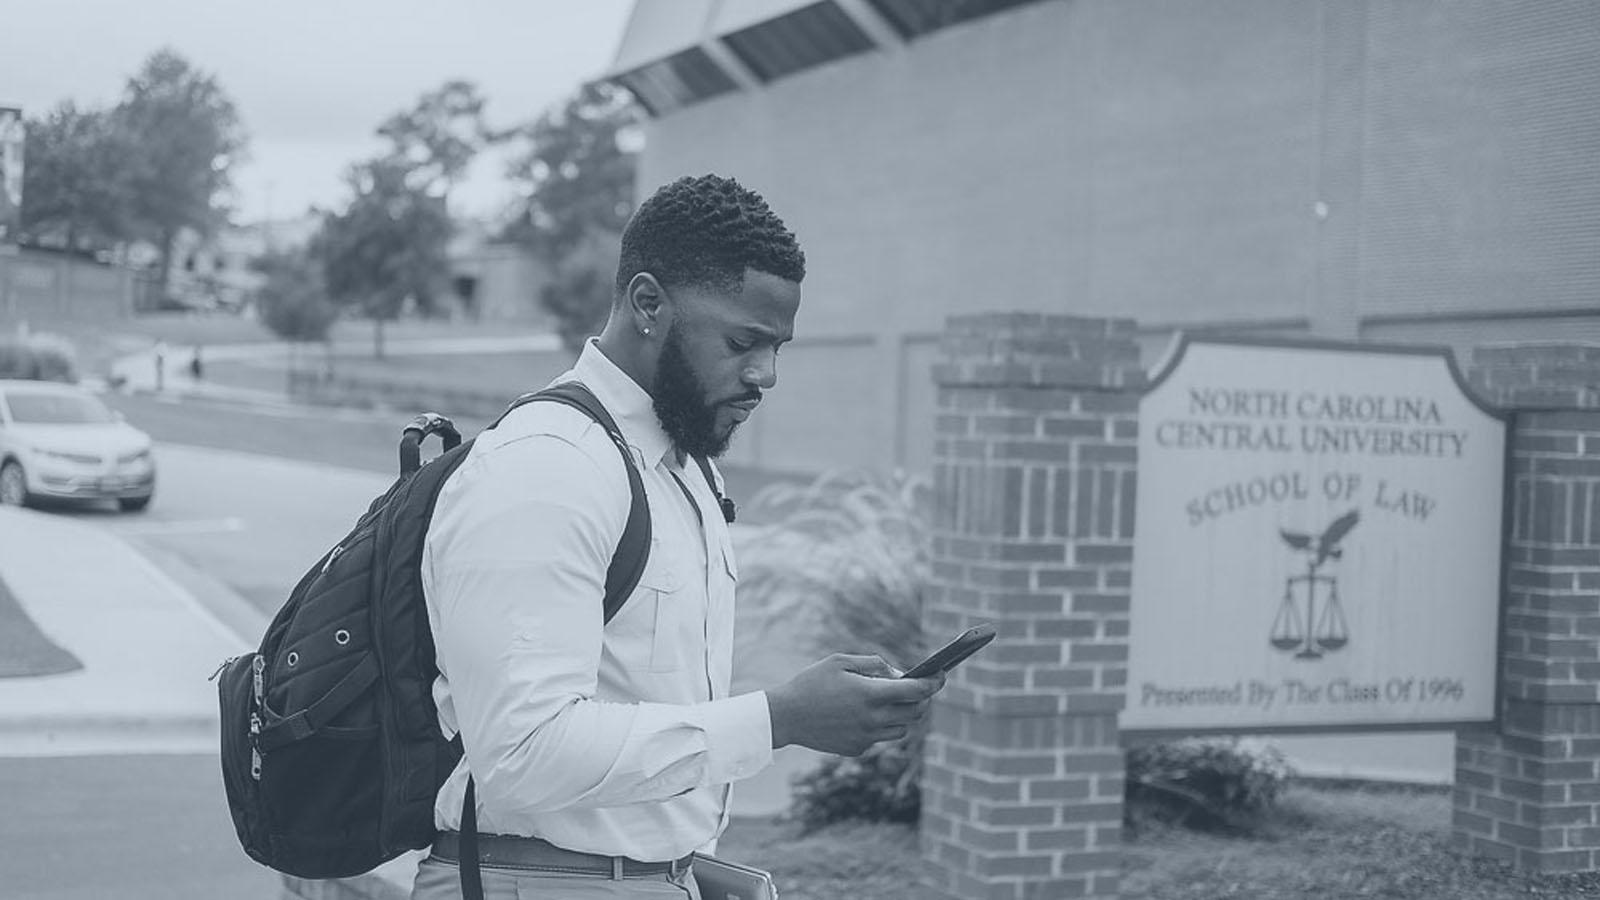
(257, 666)
(220, 666)
(331, 557)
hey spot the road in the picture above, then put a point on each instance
(335, 437)
(252, 521)
(124, 827)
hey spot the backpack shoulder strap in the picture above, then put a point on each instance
(727, 506)
(627, 564)
(633, 549)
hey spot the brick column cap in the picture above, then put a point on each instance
(1045, 350)
(1561, 375)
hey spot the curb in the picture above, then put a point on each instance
(226, 605)
(33, 736)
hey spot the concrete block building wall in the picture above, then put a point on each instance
(1313, 167)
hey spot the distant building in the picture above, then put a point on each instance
(488, 279)
(492, 280)
(218, 272)
(1426, 171)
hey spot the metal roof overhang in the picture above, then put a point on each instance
(678, 52)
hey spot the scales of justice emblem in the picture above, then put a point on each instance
(1311, 636)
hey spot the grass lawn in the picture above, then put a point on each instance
(503, 374)
(98, 342)
(24, 649)
(1321, 844)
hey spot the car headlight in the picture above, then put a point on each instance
(82, 459)
(137, 458)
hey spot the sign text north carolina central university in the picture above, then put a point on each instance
(1317, 542)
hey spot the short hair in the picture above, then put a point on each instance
(706, 232)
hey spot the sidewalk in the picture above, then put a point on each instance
(147, 646)
(145, 643)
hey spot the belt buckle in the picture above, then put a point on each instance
(616, 868)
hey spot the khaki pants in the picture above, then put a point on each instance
(439, 880)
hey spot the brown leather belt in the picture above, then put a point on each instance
(504, 851)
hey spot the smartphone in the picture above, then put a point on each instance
(950, 655)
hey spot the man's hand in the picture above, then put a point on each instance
(845, 704)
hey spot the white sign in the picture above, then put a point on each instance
(1317, 541)
(11, 143)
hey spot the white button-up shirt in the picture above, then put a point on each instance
(619, 740)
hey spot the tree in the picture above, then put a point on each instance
(188, 136)
(78, 191)
(577, 174)
(387, 248)
(580, 298)
(293, 301)
(439, 136)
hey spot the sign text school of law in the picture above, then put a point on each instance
(1317, 542)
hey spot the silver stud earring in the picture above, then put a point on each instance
(645, 332)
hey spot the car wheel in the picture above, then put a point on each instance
(13, 485)
(132, 504)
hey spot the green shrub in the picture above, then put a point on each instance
(846, 563)
(880, 785)
(1205, 783)
(39, 357)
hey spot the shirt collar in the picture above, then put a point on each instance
(629, 404)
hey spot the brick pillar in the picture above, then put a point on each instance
(1530, 793)
(1034, 466)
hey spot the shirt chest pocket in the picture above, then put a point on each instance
(661, 627)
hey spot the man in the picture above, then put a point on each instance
(606, 753)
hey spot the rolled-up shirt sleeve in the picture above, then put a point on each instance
(514, 571)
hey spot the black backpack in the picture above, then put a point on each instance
(331, 748)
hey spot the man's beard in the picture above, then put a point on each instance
(687, 416)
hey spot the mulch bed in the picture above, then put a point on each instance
(25, 651)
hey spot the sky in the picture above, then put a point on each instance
(312, 79)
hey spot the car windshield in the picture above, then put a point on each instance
(55, 408)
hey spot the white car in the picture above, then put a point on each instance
(58, 441)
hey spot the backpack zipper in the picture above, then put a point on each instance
(331, 557)
(220, 666)
(257, 665)
(339, 549)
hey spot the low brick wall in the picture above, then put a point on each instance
(1529, 793)
(1034, 470)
